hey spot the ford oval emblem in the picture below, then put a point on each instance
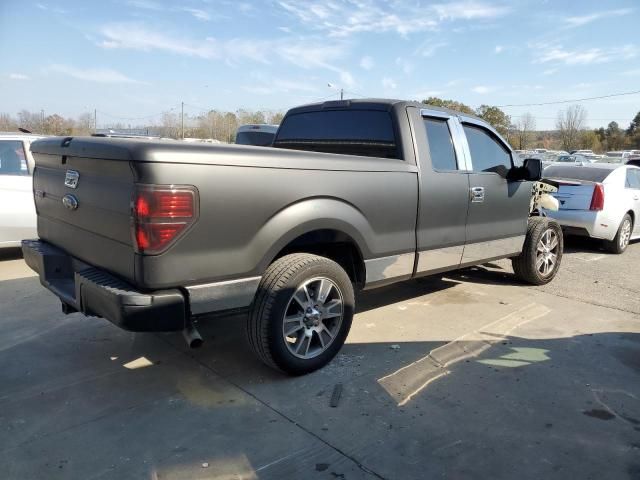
(70, 202)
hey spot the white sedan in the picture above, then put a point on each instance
(598, 200)
(17, 209)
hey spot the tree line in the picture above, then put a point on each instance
(214, 124)
(570, 133)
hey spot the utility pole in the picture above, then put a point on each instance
(182, 115)
(341, 93)
(95, 120)
(41, 121)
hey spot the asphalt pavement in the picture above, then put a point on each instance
(468, 375)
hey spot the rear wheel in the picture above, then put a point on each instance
(621, 241)
(541, 254)
(302, 313)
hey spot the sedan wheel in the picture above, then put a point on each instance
(547, 252)
(625, 233)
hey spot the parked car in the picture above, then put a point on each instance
(17, 210)
(598, 200)
(622, 154)
(260, 135)
(155, 235)
(581, 152)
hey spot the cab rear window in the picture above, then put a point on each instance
(353, 132)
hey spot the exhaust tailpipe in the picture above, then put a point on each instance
(192, 336)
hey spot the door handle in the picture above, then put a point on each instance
(477, 194)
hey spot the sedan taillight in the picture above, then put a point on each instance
(597, 198)
(160, 214)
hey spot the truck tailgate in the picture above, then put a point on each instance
(91, 220)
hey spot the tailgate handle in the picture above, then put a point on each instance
(66, 142)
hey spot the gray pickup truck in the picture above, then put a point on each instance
(153, 235)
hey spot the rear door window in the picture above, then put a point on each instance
(353, 132)
(487, 153)
(443, 155)
(13, 160)
(633, 178)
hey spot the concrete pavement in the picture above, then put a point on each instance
(466, 376)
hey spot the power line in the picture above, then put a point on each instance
(636, 92)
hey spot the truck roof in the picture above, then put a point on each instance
(385, 104)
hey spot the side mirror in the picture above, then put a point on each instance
(531, 170)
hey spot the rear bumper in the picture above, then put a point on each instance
(93, 291)
(585, 222)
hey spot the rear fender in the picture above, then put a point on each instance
(307, 216)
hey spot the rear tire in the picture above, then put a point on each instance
(621, 241)
(541, 254)
(301, 314)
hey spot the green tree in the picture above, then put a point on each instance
(634, 126)
(496, 117)
(451, 104)
(614, 136)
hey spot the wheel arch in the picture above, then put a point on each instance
(323, 226)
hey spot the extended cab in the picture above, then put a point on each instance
(356, 194)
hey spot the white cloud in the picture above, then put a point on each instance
(389, 83)
(429, 48)
(306, 53)
(579, 21)
(347, 17)
(406, 66)
(197, 13)
(424, 94)
(633, 73)
(99, 75)
(267, 85)
(482, 90)
(18, 76)
(558, 54)
(367, 63)
(498, 49)
(549, 71)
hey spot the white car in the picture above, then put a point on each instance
(17, 209)
(598, 200)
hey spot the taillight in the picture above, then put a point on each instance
(160, 215)
(597, 199)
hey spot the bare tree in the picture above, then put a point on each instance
(569, 124)
(524, 129)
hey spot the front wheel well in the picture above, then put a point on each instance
(333, 244)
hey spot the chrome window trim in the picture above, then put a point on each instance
(457, 137)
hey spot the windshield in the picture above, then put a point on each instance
(355, 132)
(12, 158)
(261, 139)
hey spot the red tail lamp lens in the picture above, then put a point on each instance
(160, 215)
(164, 204)
(597, 199)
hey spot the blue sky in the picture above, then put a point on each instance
(136, 58)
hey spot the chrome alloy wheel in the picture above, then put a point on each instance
(547, 252)
(312, 318)
(625, 234)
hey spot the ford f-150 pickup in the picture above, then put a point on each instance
(153, 236)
